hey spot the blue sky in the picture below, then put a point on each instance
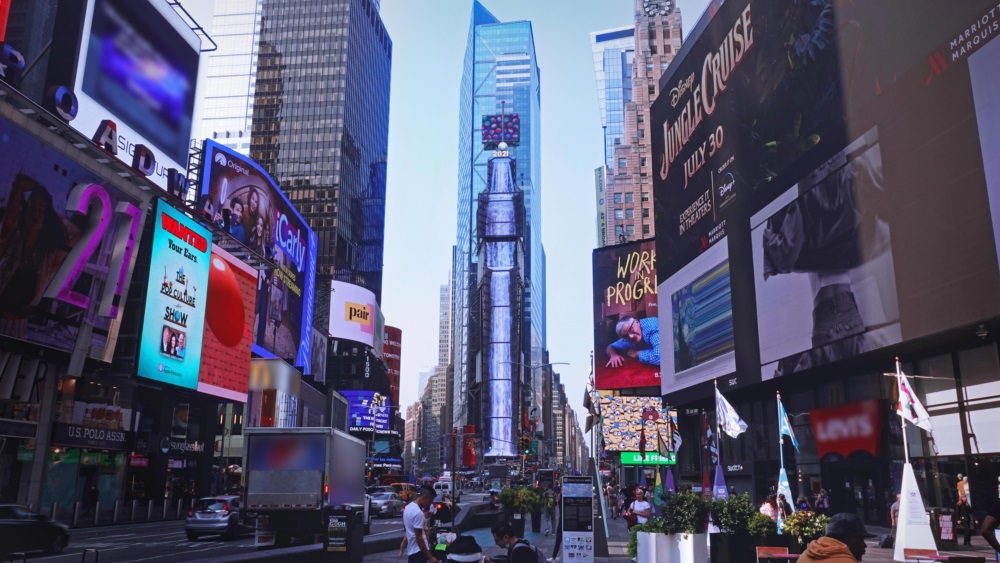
(428, 47)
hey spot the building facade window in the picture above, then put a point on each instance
(645, 229)
(628, 198)
(618, 198)
(630, 214)
(622, 162)
(618, 213)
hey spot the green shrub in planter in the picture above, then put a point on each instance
(686, 513)
(734, 515)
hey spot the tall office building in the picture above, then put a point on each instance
(628, 63)
(321, 127)
(500, 77)
(229, 74)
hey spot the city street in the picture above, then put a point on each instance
(166, 541)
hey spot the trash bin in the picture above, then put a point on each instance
(344, 537)
(943, 527)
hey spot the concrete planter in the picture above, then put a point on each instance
(675, 548)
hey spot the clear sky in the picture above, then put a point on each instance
(428, 39)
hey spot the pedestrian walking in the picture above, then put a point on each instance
(963, 517)
(549, 510)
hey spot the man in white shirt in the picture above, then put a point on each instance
(640, 506)
(417, 543)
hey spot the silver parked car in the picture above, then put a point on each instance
(387, 504)
(218, 515)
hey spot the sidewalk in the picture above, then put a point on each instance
(617, 544)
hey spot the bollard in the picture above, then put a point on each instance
(55, 510)
(166, 506)
(135, 506)
(97, 512)
(114, 517)
(88, 551)
(149, 511)
(76, 513)
(179, 504)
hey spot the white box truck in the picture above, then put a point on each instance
(291, 474)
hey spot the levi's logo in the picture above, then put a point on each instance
(856, 426)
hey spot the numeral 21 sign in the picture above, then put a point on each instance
(67, 242)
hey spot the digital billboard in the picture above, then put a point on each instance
(173, 324)
(356, 316)
(391, 350)
(242, 199)
(622, 423)
(626, 328)
(67, 246)
(138, 66)
(229, 313)
(841, 157)
(368, 412)
(498, 129)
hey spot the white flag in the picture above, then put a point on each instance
(725, 414)
(909, 406)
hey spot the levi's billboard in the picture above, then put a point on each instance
(67, 246)
(243, 200)
(846, 429)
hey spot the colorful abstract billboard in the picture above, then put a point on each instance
(67, 242)
(229, 313)
(391, 350)
(356, 316)
(626, 326)
(138, 66)
(498, 129)
(243, 200)
(171, 343)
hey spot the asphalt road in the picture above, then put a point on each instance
(167, 542)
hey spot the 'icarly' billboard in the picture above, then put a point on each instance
(242, 199)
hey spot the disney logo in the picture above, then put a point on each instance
(727, 185)
(682, 87)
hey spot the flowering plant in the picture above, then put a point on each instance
(805, 525)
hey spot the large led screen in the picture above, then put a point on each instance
(243, 200)
(626, 329)
(368, 412)
(171, 344)
(229, 313)
(498, 129)
(67, 242)
(823, 268)
(355, 315)
(844, 157)
(622, 423)
(138, 66)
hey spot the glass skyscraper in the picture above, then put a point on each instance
(614, 52)
(321, 127)
(229, 77)
(500, 76)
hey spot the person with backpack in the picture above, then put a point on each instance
(518, 550)
(549, 508)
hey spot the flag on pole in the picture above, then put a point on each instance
(669, 486)
(729, 421)
(661, 446)
(658, 489)
(785, 427)
(710, 445)
(909, 406)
